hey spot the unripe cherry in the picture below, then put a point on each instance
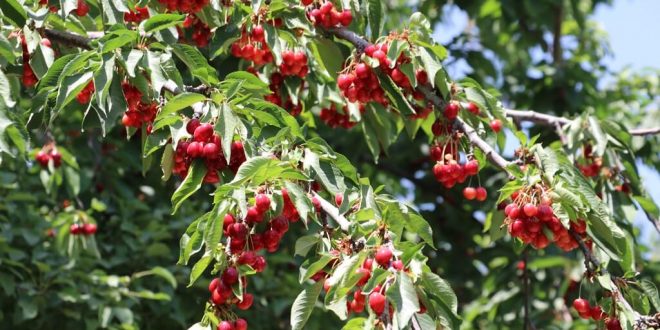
(383, 256)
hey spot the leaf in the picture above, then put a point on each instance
(70, 87)
(437, 286)
(197, 64)
(599, 136)
(117, 39)
(375, 15)
(306, 243)
(5, 91)
(257, 169)
(199, 268)
(190, 185)
(431, 63)
(161, 21)
(165, 274)
(403, 295)
(167, 162)
(651, 292)
(178, 103)
(226, 125)
(327, 172)
(398, 99)
(416, 224)
(13, 12)
(328, 56)
(300, 200)
(303, 305)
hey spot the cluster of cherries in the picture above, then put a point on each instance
(294, 63)
(360, 84)
(252, 46)
(136, 16)
(138, 112)
(327, 16)
(86, 229)
(206, 145)
(244, 244)
(46, 154)
(275, 97)
(201, 33)
(184, 6)
(447, 169)
(531, 211)
(85, 95)
(586, 311)
(29, 78)
(333, 118)
(592, 164)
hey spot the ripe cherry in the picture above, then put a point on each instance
(596, 313)
(530, 210)
(213, 285)
(306, 2)
(230, 276)
(473, 108)
(472, 167)
(192, 125)
(581, 305)
(397, 264)
(89, 229)
(613, 324)
(82, 8)
(225, 325)
(211, 151)
(383, 256)
(339, 198)
(377, 302)
(451, 111)
(262, 202)
(482, 194)
(240, 324)
(366, 274)
(203, 133)
(195, 149)
(469, 193)
(253, 215)
(248, 298)
(496, 125)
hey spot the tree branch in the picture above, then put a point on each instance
(70, 39)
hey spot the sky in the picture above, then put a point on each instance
(633, 27)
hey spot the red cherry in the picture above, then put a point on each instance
(496, 125)
(213, 285)
(75, 229)
(581, 305)
(613, 324)
(368, 263)
(238, 230)
(262, 202)
(192, 125)
(339, 198)
(258, 32)
(451, 111)
(482, 194)
(473, 108)
(211, 151)
(379, 55)
(230, 276)
(346, 17)
(596, 313)
(56, 157)
(383, 256)
(248, 298)
(203, 132)
(195, 149)
(306, 2)
(472, 167)
(530, 210)
(89, 228)
(520, 265)
(240, 324)
(225, 325)
(377, 302)
(469, 193)
(397, 264)
(253, 215)
(366, 274)
(82, 9)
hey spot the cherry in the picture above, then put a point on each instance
(246, 303)
(253, 215)
(238, 230)
(482, 194)
(581, 305)
(192, 125)
(89, 228)
(346, 17)
(520, 265)
(472, 167)
(383, 256)
(451, 111)
(280, 224)
(339, 198)
(306, 2)
(397, 264)
(240, 324)
(75, 229)
(469, 193)
(473, 108)
(377, 302)
(366, 274)
(596, 313)
(225, 325)
(613, 324)
(230, 276)
(195, 149)
(356, 307)
(258, 32)
(213, 285)
(82, 8)
(530, 210)
(203, 133)
(368, 263)
(262, 202)
(211, 150)
(496, 125)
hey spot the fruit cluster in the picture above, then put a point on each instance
(359, 83)
(138, 112)
(82, 9)
(276, 87)
(85, 95)
(29, 78)
(201, 33)
(531, 212)
(136, 16)
(586, 311)
(86, 229)
(184, 6)
(48, 153)
(327, 16)
(590, 165)
(252, 46)
(244, 243)
(334, 118)
(448, 170)
(294, 63)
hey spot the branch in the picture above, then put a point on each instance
(70, 39)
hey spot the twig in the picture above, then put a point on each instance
(68, 38)
(333, 212)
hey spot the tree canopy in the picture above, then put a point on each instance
(312, 164)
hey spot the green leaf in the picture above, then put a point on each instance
(5, 91)
(226, 125)
(190, 185)
(303, 305)
(71, 87)
(375, 14)
(257, 169)
(651, 292)
(178, 103)
(305, 243)
(404, 297)
(300, 200)
(161, 21)
(117, 39)
(165, 274)
(432, 64)
(396, 96)
(416, 224)
(13, 12)
(437, 286)
(197, 64)
(199, 268)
